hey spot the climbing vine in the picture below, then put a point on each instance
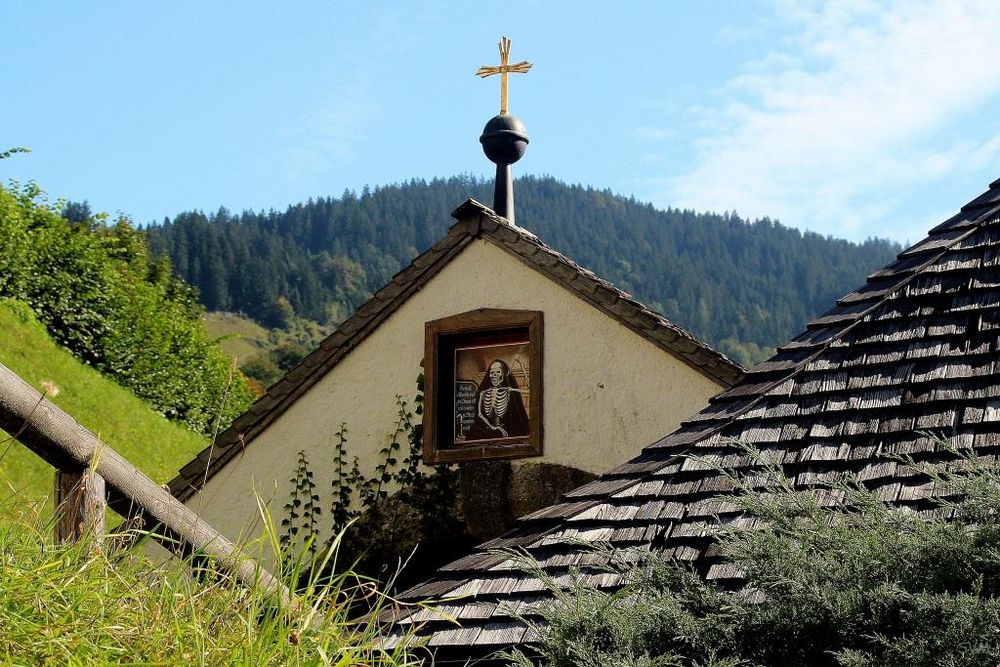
(345, 481)
(302, 511)
(358, 504)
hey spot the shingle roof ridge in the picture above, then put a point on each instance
(819, 350)
(800, 365)
(608, 298)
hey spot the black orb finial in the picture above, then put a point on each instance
(504, 141)
(504, 138)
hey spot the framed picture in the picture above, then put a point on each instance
(483, 386)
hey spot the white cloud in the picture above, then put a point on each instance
(860, 105)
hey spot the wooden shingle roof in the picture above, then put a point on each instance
(475, 221)
(910, 357)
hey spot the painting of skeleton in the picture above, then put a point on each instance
(492, 391)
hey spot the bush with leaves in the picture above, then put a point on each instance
(284, 349)
(101, 295)
(863, 584)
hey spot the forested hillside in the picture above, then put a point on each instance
(743, 286)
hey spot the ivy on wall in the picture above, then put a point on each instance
(376, 525)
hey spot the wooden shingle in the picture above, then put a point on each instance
(908, 358)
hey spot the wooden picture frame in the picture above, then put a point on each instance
(483, 386)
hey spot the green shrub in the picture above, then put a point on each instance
(865, 584)
(101, 295)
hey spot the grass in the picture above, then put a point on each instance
(74, 604)
(156, 446)
(77, 604)
(238, 336)
(242, 338)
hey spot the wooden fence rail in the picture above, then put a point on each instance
(78, 455)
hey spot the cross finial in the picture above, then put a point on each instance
(503, 69)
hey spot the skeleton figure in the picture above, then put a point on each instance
(500, 409)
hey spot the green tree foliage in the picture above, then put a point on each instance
(862, 585)
(743, 286)
(101, 295)
(13, 151)
(78, 213)
(283, 349)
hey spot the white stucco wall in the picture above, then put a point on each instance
(608, 391)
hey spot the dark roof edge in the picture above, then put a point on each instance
(475, 220)
(351, 332)
(604, 296)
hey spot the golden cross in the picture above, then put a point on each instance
(489, 70)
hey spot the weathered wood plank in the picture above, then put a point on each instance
(80, 505)
(58, 439)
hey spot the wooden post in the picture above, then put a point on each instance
(79, 506)
(57, 438)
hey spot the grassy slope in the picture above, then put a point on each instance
(70, 605)
(237, 336)
(156, 446)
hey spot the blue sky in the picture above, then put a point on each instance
(851, 118)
